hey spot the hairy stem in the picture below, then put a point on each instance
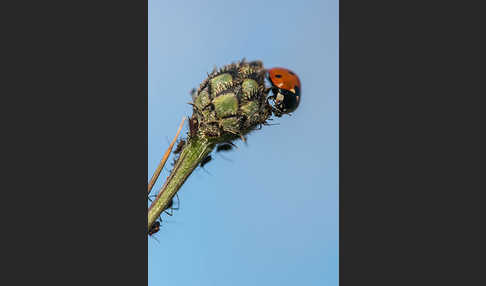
(194, 152)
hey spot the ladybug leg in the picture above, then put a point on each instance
(273, 96)
(276, 112)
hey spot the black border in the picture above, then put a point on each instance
(80, 104)
(409, 143)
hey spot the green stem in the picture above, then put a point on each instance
(191, 156)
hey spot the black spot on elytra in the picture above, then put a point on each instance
(278, 75)
(291, 73)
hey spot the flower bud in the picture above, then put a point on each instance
(230, 102)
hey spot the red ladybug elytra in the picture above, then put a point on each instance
(286, 89)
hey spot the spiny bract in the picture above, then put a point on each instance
(230, 102)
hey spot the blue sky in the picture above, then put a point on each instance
(267, 213)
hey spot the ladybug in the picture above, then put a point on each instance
(286, 89)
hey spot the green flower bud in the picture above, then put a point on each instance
(230, 102)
